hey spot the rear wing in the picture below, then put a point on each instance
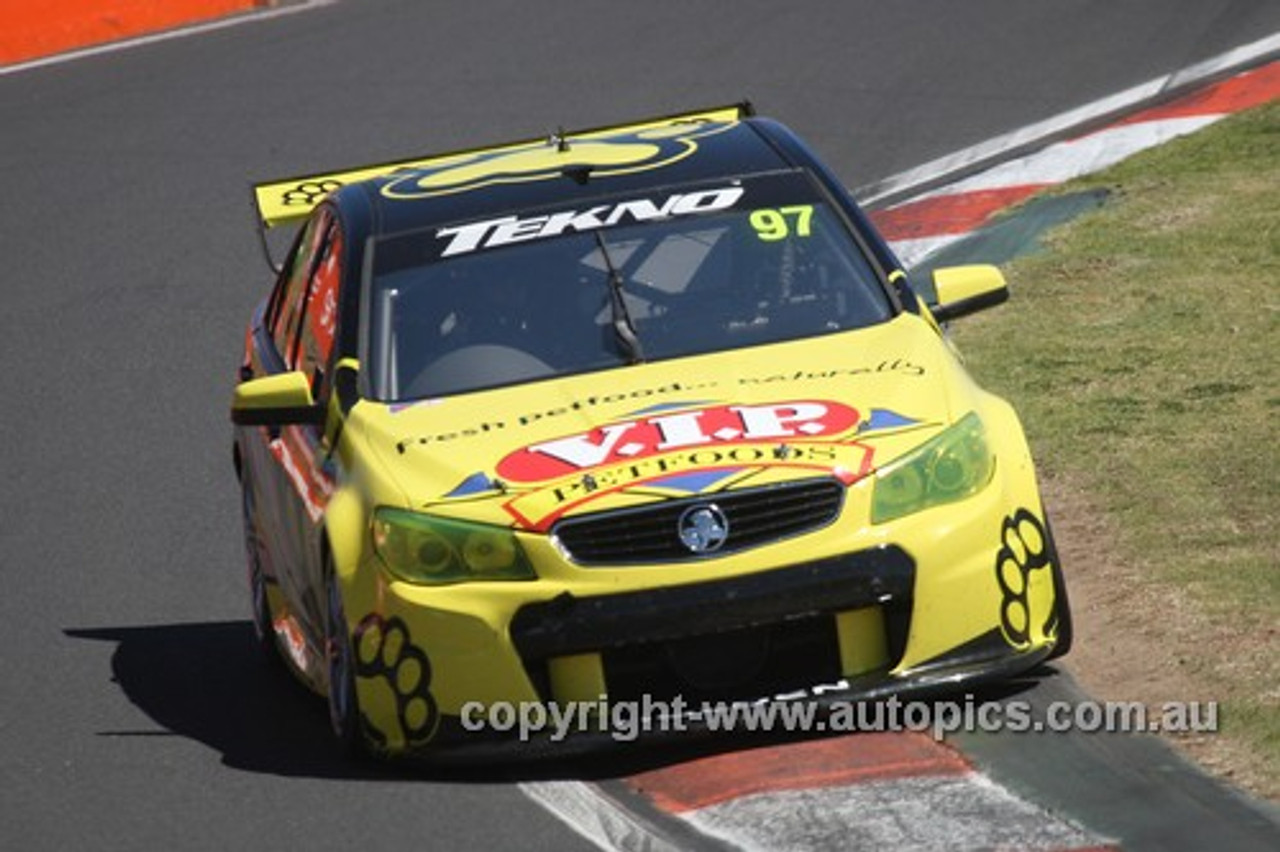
(290, 200)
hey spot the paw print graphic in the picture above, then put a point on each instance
(1024, 548)
(383, 650)
(309, 192)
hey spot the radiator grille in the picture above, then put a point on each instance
(651, 533)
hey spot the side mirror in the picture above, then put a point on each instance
(280, 400)
(963, 290)
(345, 383)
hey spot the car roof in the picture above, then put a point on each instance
(559, 172)
(559, 176)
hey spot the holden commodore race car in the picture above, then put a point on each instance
(648, 410)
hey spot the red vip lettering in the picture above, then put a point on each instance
(640, 438)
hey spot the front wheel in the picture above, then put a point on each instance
(1061, 603)
(344, 703)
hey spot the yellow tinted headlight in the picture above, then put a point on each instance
(955, 464)
(429, 550)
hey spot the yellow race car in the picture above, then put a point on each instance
(631, 413)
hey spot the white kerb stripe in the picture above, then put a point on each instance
(1063, 161)
(944, 813)
(1064, 122)
(595, 816)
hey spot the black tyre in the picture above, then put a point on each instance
(263, 631)
(344, 702)
(1061, 603)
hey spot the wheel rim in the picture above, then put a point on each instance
(258, 591)
(257, 579)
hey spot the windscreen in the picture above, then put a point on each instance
(680, 271)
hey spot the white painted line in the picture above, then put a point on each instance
(167, 35)
(1063, 161)
(1064, 122)
(595, 816)
(1236, 57)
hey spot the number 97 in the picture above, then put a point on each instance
(772, 225)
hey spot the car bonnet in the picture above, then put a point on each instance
(528, 455)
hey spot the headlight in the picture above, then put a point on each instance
(952, 466)
(435, 551)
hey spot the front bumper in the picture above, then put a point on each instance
(568, 625)
(860, 622)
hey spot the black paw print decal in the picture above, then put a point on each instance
(1024, 548)
(383, 650)
(309, 192)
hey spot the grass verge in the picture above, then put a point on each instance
(1143, 352)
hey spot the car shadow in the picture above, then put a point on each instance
(210, 682)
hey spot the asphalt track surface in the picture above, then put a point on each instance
(134, 713)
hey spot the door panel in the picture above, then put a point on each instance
(287, 467)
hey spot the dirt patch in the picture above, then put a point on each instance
(1138, 640)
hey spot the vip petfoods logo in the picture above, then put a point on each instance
(684, 449)
(640, 438)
